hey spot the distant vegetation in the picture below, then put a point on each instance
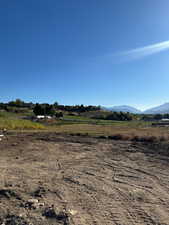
(120, 116)
(94, 112)
(12, 122)
(22, 115)
(151, 117)
(19, 106)
(45, 108)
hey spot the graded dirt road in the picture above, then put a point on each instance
(47, 178)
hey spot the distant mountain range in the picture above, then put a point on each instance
(162, 109)
(123, 108)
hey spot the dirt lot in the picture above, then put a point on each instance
(47, 178)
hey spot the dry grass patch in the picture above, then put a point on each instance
(13, 124)
(149, 134)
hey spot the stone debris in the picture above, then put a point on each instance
(72, 212)
(39, 192)
(33, 204)
(9, 193)
(62, 216)
(15, 220)
(33, 201)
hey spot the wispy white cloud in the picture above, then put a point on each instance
(144, 51)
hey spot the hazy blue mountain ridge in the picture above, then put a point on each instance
(161, 109)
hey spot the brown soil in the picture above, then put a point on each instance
(47, 178)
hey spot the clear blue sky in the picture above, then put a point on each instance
(65, 51)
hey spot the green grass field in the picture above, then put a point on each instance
(13, 121)
(85, 120)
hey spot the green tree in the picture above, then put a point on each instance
(158, 117)
(38, 109)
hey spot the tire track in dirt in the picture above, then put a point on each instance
(98, 182)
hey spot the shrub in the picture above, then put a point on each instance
(116, 137)
(150, 139)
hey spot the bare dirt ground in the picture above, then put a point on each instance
(47, 178)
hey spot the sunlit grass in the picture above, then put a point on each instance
(13, 124)
(86, 120)
(5, 114)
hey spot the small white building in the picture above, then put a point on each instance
(48, 117)
(164, 120)
(40, 117)
(43, 117)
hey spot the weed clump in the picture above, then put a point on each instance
(136, 138)
(149, 139)
(116, 137)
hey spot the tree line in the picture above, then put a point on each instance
(57, 109)
(151, 117)
(120, 116)
(45, 108)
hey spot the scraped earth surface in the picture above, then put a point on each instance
(47, 178)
